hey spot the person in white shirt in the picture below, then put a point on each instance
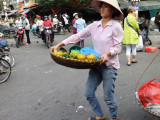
(66, 22)
(18, 22)
(39, 24)
(55, 22)
(26, 25)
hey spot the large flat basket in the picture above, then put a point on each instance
(74, 63)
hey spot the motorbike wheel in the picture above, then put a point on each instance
(18, 41)
(48, 41)
(62, 31)
(5, 70)
(9, 57)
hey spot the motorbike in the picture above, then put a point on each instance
(19, 37)
(48, 33)
(144, 27)
(60, 29)
(7, 31)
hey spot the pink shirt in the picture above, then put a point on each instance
(48, 23)
(104, 39)
(74, 29)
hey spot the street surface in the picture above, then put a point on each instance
(40, 89)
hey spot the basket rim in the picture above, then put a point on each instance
(146, 110)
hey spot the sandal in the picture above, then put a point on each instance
(134, 61)
(97, 118)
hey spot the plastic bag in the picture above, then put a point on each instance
(89, 50)
(3, 43)
(139, 47)
(149, 93)
(34, 27)
(150, 49)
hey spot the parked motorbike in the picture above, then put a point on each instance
(19, 37)
(143, 25)
(60, 29)
(7, 31)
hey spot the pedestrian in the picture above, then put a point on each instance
(75, 16)
(26, 25)
(157, 20)
(66, 22)
(80, 24)
(131, 39)
(107, 35)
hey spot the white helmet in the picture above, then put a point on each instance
(75, 14)
(55, 15)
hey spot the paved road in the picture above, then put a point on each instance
(40, 89)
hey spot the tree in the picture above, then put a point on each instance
(45, 5)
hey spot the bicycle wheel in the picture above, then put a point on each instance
(9, 57)
(5, 70)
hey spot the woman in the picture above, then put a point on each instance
(130, 38)
(75, 15)
(107, 36)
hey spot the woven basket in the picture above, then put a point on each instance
(147, 110)
(74, 63)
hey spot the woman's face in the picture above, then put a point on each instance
(76, 17)
(106, 10)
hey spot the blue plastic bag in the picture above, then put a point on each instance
(3, 43)
(89, 50)
(34, 27)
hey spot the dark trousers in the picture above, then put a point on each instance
(67, 27)
(27, 34)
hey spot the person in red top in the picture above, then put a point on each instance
(47, 22)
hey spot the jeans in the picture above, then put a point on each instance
(107, 74)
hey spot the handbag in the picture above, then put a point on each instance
(132, 26)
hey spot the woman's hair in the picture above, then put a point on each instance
(131, 9)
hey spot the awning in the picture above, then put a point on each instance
(32, 6)
(143, 5)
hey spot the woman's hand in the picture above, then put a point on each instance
(56, 47)
(105, 56)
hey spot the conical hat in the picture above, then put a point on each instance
(96, 5)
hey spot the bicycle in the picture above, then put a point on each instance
(5, 70)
